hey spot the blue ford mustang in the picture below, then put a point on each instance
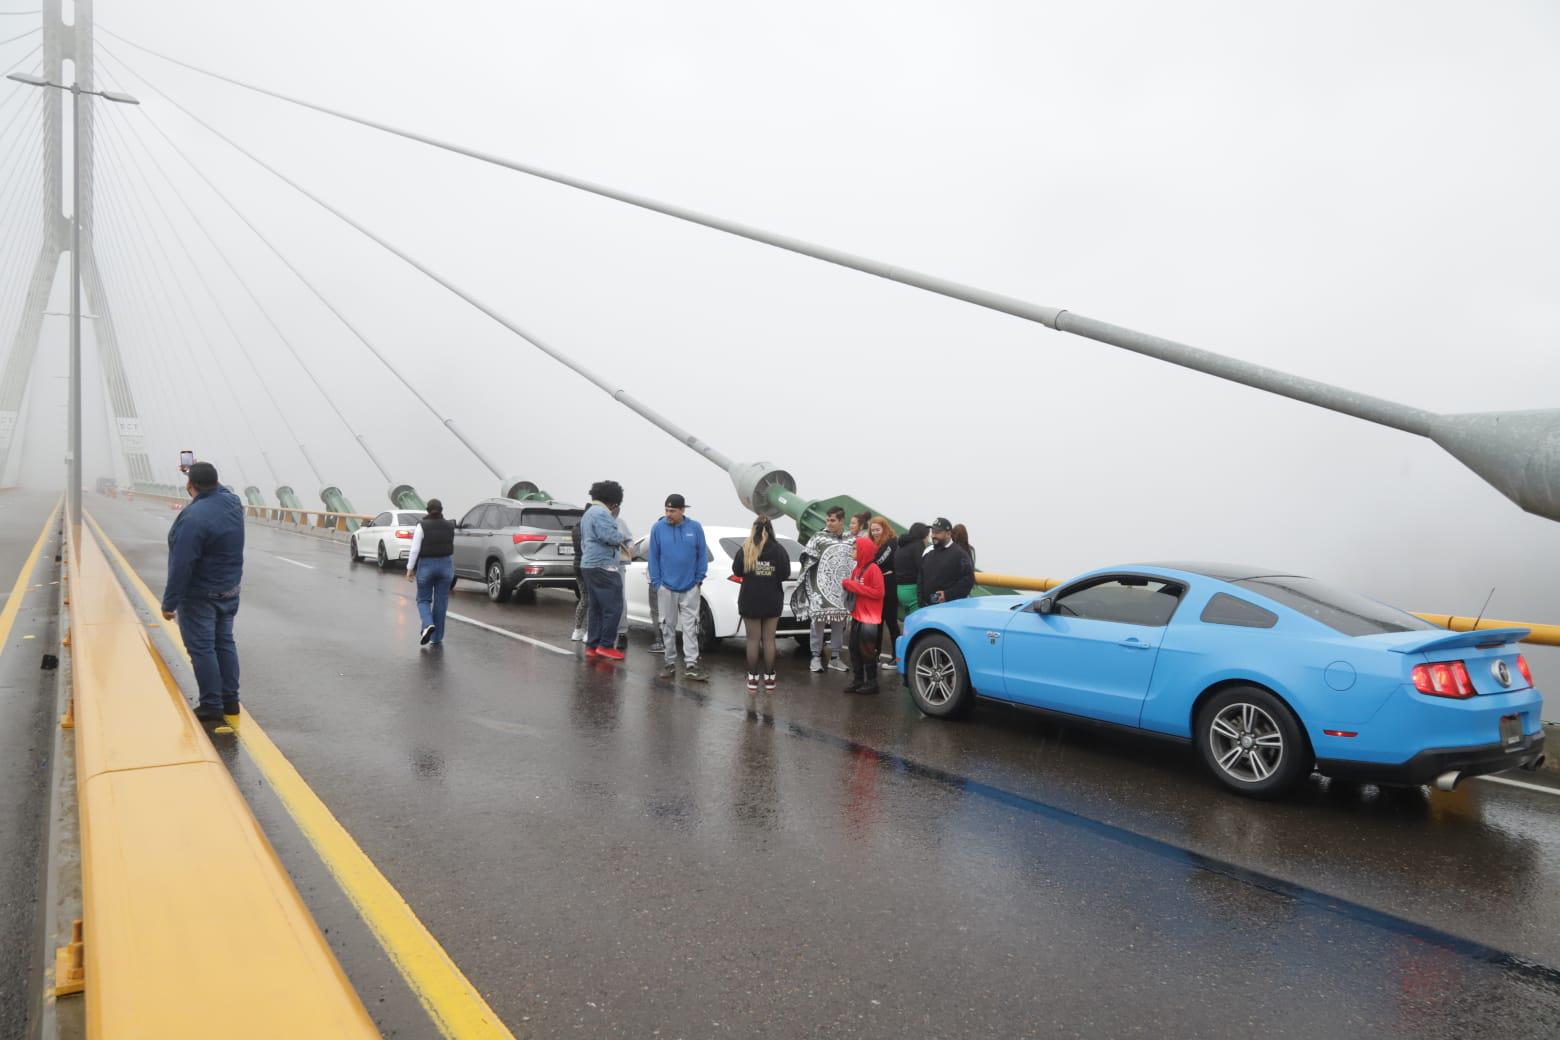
(1270, 675)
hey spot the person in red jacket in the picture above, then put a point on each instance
(866, 584)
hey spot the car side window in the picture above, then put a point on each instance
(382, 520)
(1224, 609)
(475, 517)
(1126, 599)
(503, 517)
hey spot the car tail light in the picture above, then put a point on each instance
(1444, 679)
(403, 534)
(535, 569)
(1522, 666)
(520, 539)
(736, 578)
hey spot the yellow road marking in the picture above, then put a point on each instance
(13, 605)
(446, 994)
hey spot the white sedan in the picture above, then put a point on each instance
(718, 617)
(386, 538)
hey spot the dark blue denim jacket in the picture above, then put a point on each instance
(205, 548)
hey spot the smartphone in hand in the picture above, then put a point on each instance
(186, 460)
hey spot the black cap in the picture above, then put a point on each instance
(675, 501)
(941, 524)
(203, 475)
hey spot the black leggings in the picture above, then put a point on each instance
(864, 641)
(891, 627)
(760, 631)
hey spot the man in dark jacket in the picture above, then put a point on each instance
(205, 569)
(947, 572)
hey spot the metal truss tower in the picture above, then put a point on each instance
(64, 42)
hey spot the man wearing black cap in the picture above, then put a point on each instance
(679, 560)
(947, 572)
(205, 568)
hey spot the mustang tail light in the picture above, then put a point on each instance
(1444, 679)
(1522, 666)
(521, 539)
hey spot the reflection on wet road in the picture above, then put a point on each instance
(606, 853)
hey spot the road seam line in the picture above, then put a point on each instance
(508, 634)
(449, 998)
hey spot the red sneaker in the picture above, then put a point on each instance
(611, 653)
(590, 651)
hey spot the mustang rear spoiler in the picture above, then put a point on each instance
(1457, 640)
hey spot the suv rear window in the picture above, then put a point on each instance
(1340, 610)
(550, 519)
(793, 549)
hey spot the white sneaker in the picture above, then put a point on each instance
(579, 634)
(817, 664)
(836, 665)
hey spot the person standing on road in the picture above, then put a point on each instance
(826, 562)
(763, 566)
(961, 538)
(947, 572)
(866, 585)
(907, 567)
(858, 525)
(432, 565)
(601, 544)
(205, 570)
(679, 562)
(885, 548)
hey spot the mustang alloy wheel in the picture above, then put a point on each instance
(939, 682)
(1252, 742)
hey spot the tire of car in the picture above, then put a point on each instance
(498, 584)
(707, 639)
(352, 547)
(384, 558)
(939, 680)
(1252, 742)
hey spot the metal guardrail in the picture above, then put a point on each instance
(175, 870)
(1541, 635)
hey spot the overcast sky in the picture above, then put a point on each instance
(1360, 193)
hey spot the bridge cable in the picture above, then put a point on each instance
(19, 192)
(448, 423)
(617, 394)
(1259, 377)
(132, 243)
(124, 163)
(22, 36)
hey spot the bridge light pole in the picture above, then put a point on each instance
(73, 470)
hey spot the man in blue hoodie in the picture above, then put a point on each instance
(679, 559)
(205, 569)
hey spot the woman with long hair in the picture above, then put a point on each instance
(763, 566)
(961, 538)
(883, 536)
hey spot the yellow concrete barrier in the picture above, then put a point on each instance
(1542, 635)
(193, 928)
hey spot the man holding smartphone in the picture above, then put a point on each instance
(947, 572)
(205, 568)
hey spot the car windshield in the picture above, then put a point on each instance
(410, 519)
(550, 519)
(792, 547)
(1340, 610)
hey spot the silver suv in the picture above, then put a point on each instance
(517, 547)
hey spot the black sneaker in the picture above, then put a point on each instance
(869, 687)
(694, 673)
(230, 707)
(208, 713)
(854, 686)
(427, 634)
(669, 669)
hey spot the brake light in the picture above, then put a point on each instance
(736, 578)
(1522, 666)
(404, 534)
(1444, 679)
(520, 539)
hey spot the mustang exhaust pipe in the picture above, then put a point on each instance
(1448, 781)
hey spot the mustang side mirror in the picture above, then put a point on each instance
(1045, 605)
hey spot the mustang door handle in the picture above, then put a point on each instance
(1135, 644)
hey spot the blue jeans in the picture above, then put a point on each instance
(206, 626)
(435, 575)
(605, 612)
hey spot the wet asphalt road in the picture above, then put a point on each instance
(26, 734)
(608, 854)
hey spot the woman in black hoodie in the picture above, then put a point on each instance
(907, 566)
(763, 566)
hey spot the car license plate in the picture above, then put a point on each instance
(565, 550)
(1510, 731)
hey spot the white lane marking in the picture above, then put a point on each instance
(1520, 783)
(295, 563)
(508, 634)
